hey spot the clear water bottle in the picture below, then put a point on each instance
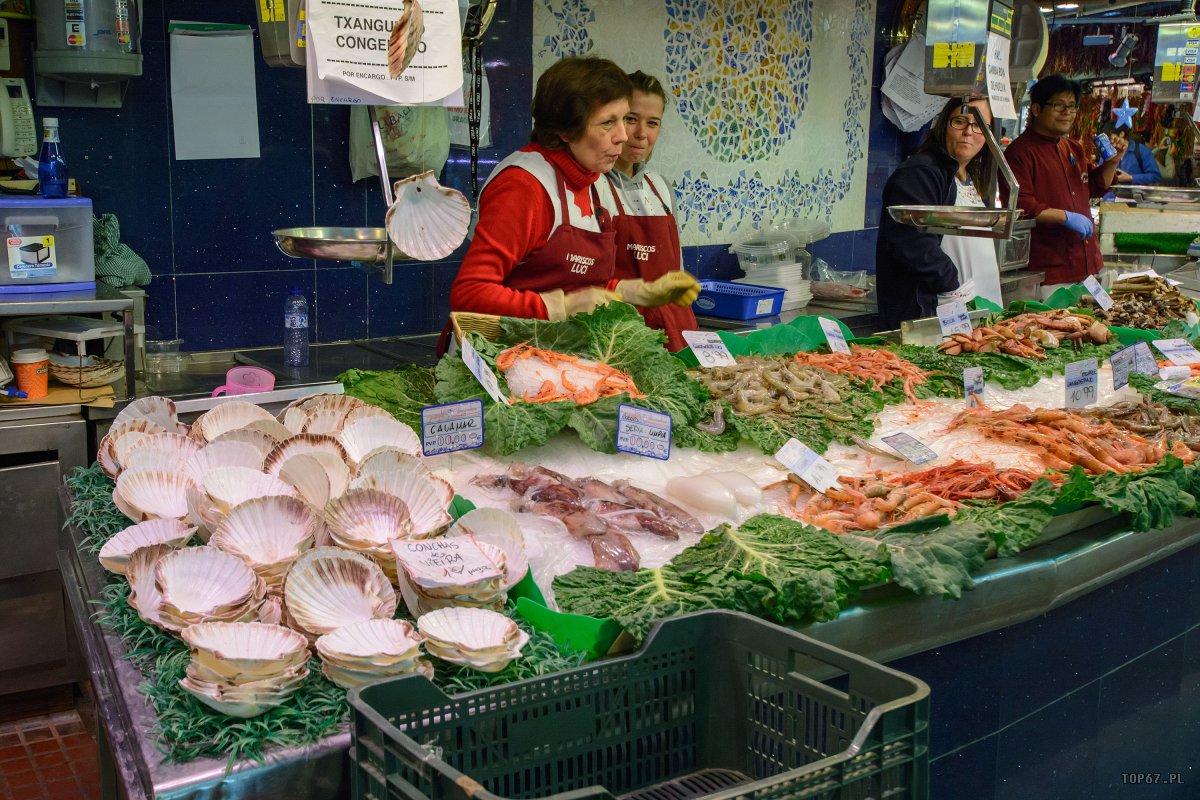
(52, 168)
(295, 329)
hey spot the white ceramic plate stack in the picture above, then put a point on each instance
(244, 669)
(474, 574)
(473, 637)
(372, 649)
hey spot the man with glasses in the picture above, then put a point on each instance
(1057, 182)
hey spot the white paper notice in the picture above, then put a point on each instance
(834, 335)
(709, 349)
(904, 87)
(1178, 351)
(482, 372)
(816, 471)
(1102, 298)
(999, 90)
(347, 54)
(214, 107)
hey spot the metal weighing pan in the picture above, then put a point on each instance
(943, 216)
(1158, 194)
(334, 244)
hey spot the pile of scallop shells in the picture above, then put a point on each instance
(245, 520)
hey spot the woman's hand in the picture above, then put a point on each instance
(560, 305)
(676, 287)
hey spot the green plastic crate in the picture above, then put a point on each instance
(715, 704)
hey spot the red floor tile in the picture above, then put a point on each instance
(12, 753)
(67, 728)
(29, 793)
(46, 761)
(24, 778)
(44, 746)
(9, 740)
(37, 734)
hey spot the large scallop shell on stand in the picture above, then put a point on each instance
(224, 453)
(227, 417)
(106, 449)
(268, 533)
(427, 497)
(245, 651)
(428, 220)
(115, 554)
(150, 494)
(157, 410)
(199, 584)
(328, 588)
(365, 435)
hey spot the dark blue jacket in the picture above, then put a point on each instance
(911, 269)
(1139, 162)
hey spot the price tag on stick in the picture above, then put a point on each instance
(1178, 351)
(643, 432)
(953, 317)
(973, 386)
(1102, 298)
(912, 448)
(1123, 362)
(451, 427)
(816, 471)
(1081, 383)
(708, 348)
(482, 372)
(834, 335)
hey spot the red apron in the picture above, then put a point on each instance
(648, 248)
(572, 258)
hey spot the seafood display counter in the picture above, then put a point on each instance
(1076, 555)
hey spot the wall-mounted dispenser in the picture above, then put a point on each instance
(86, 51)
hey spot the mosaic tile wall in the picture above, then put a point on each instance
(204, 226)
(748, 136)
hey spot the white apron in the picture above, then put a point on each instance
(974, 256)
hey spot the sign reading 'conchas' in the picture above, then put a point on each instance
(384, 52)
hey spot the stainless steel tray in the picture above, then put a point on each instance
(1158, 194)
(335, 244)
(991, 223)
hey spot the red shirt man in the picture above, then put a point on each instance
(1057, 182)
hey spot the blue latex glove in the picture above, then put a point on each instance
(1079, 223)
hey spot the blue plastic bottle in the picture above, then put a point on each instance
(295, 329)
(52, 168)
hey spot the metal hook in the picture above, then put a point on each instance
(479, 19)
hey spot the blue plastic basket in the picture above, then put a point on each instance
(738, 300)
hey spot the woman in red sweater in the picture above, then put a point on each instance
(544, 246)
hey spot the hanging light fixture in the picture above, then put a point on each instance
(1119, 57)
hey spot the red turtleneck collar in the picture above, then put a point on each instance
(577, 177)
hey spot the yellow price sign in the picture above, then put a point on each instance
(953, 55)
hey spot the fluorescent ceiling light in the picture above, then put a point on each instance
(1066, 6)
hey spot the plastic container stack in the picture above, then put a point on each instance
(776, 256)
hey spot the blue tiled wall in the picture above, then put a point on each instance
(1065, 705)
(205, 226)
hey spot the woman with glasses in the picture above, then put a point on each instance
(1057, 181)
(916, 271)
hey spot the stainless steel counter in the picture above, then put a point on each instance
(886, 623)
(860, 317)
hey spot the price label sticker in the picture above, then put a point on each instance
(643, 432)
(1082, 382)
(1178, 351)
(973, 386)
(449, 561)
(1102, 298)
(482, 372)
(953, 317)
(1123, 363)
(834, 335)
(708, 348)
(451, 427)
(1146, 363)
(912, 448)
(816, 471)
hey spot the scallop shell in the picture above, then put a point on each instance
(469, 630)
(223, 453)
(372, 642)
(144, 596)
(352, 678)
(248, 687)
(115, 554)
(239, 651)
(427, 221)
(405, 38)
(202, 512)
(105, 452)
(499, 529)
(157, 410)
(329, 587)
(366, 411)
(150, 494)
(266, 532)
(261, 442)
(167, 450)
(273, 428)
(226, 417)
(389, 459)
(203, 583)
(324, 421)
(231, 486)
(304, 444)
(367, 517)
(366, 435)
(427, 497)
(308, 476)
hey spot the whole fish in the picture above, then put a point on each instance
(673, 515)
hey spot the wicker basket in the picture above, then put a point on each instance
(464, 322)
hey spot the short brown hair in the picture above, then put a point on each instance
(647, 84)
(569, 92)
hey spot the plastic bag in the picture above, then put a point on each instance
(829, 284)
(415, 139)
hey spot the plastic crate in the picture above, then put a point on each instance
(715, 704)
(738, 300)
